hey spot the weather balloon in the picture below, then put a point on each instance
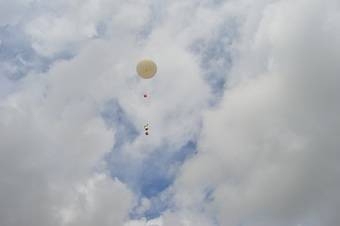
(146, 69)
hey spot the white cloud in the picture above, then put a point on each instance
(66, 26)
(144, 222)
(96, 203)
(11, 12)
(48, 150)
(54, 136)
(268, 153)
(53, 141)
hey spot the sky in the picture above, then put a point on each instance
(243, 112)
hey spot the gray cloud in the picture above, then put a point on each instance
(269, 153)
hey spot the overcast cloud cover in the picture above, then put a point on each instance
(244, 113)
